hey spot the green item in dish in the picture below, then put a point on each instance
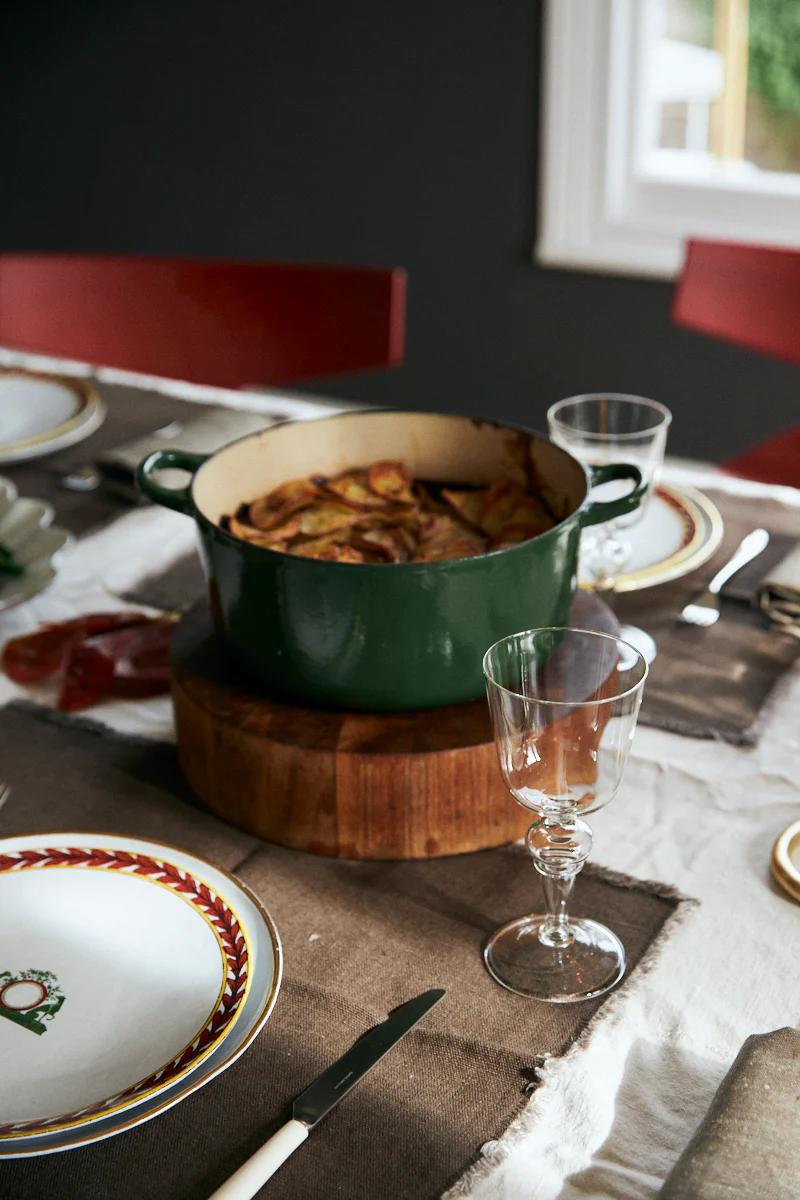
(8, 564)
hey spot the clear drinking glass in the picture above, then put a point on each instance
(564, 704)
(609, 427)
(601, 428)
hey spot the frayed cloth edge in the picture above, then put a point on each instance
(495, 1152)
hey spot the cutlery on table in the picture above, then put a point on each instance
(703, 609)
(326, 1091)
(89, 476)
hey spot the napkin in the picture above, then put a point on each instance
(779, 592)
(771, 582)
(212, 428)
(748, 1143)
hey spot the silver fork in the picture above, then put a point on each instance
(703, 609)
(5, 792)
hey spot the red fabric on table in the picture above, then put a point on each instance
(213, 322)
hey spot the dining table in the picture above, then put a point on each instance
(609, 1118)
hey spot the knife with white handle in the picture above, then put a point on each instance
(323, 1094)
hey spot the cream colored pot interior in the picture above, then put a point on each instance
(433, 446)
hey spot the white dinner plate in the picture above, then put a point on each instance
(26, 530)
(132, 973)
(679, 531)
(40, 413)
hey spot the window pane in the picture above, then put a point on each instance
(726, 82)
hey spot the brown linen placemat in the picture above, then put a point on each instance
(68, 773)
(132, 412)
(713, 683)
(358, 938)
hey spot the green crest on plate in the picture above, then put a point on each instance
(30, 998)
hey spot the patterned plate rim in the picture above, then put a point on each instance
(704, 520)
(221, 918)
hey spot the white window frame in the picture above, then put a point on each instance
(600, 208)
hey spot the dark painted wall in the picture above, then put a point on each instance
(362, 131)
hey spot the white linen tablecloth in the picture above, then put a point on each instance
(612, 1116)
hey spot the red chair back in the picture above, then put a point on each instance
(777, 460)
(221, 323)
(749, 295)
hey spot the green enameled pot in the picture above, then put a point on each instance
(395, 635)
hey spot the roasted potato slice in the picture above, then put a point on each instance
(527, 520)
(269, 511)
(393, 517)
(439, 526)
(341, 552)
(243, 530)
(408, 518)
(443, 536)
(296, 491)
(390, 480)
(265, 537)
(317, 547)
(326, 516)
(503, 498)
(389, 544)
(351, 487)
(239, 528)
(379, 514)
(469, 505)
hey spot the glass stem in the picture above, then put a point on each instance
(606, 554)
(557, 891)
(559, 845)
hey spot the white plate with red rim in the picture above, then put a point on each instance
(131, 973)
(41, 413)
(680, 530)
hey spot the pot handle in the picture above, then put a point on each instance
(599, 511)
(159, 460)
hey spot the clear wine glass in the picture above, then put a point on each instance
(564, 704)
(607, 427)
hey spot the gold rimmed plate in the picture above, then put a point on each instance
(785, 860)
(132, 972)
(680, 530)
(41, 413)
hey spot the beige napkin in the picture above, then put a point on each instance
(212, 428)
(779, 592)
(748, 1143)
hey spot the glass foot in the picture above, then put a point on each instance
(591, 964)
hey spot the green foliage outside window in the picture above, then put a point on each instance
(774, 61)
(774, 57)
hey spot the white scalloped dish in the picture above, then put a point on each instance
(26, 529)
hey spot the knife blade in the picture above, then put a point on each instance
(332, 1085)
(325, 1093)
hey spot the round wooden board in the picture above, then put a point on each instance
(353, 785)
